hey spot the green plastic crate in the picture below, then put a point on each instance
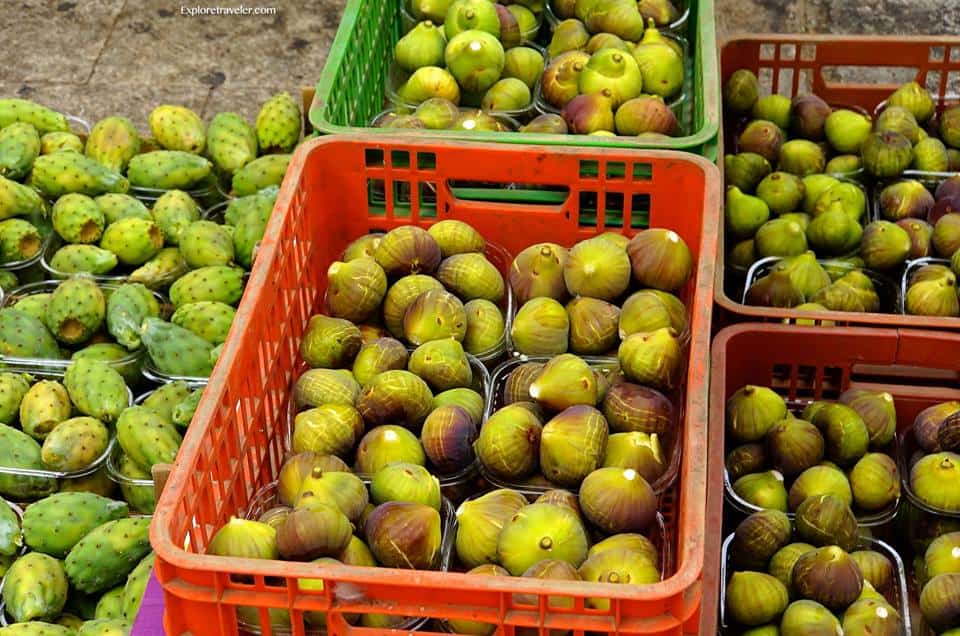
(351, 89)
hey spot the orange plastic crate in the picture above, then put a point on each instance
(919, 368)
(332, 194)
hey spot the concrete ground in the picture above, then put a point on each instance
(101, 57)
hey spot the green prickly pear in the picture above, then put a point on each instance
(174, 211)
(40, 117)
(65, 172)
(78, 219)
(19, 147)
(36, 628)
(17, 199)
(205, 243)
(76, 311)
(13, 388)
(231, 142)
(136, 586)
(11, 537)
(19, 240)
(8, 281)
(117, 356)
(114, 627)
(35, 588)
(74, 444)
(175, 350)
(164, 399)
(35, 305)
(178, 128)
(110, 605)
(121, 206)
(241, 207)
(249, 233)
(44, 405)
(162, 270)
(278, 124)
(83, 259)
(24, 336)
(96, 389)
(60, 142)
(127, 307)
(113, 142)
(106, 555)
(260, 173)
(184, 411)
(19, 450)
(55, 524)
(211, 320)
(215, 355)
(134, 241)
(141, 497)
(223, 284)
(168, 170)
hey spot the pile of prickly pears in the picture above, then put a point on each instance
(842, 207)
(474, 65)
(74, 562)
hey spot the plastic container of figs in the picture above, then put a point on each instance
(607, 367)
(266, 499)
(908, 453)
(897, 595)
(408, 20)
(677, 25)
(908, 273)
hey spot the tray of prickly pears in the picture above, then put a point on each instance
(780, 453)
(553, 422)
(815, 574)
(72, 562)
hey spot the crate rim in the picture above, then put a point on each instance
(700, 139)
(683, 582)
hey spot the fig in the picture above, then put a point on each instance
(744, 213)
(456, 237)
(408, 250)
(652, 358)
(606, 41)
(905, 199)
(435, 10)
(927, 424)
(541, 531)
(475, 628)
(846, 295)
(593, 326)
(517, 386)
(638, 451)
(801, 157)
(775, 108)
(745, 170)
(875, 567)
(537, 271)
(782, 562)
(660, 259)
(844, 165)
(468, 15)
(398, 397)
(427, 83)
(437, 113)
(479, 522)
(758, 537)
(849, 196)
(581, 433)
(741, 91)
(405, 482)
(507, 95)
(820, 480)
(886, 154)
(329, 429)
(948, 434)
(763, 490)
(620, 566)
(510, 32)
(471, 276)
(875, 481)
(935, 480)
(847, 130)
(872, 616)
(526, 19)
(660, 64)
(774, 290)
(383, 354)
(356, 289)
(755, 598)
(662, 12)
(275, 516)
(878, 412)
(745, 459)
(743, 255)
(330, 343)
(363, 247)
(814, 186)
(781, 237)
(554, 570)
(846, 434)
(808, 117)
(509, 442)
(953, 160)
(565, 381)
(752, 412)
(244, 539)
(448, 435)
(541, 327)
(938, 602)
(310, 533)
(915, 99)
(943, 555)
(422, 46)
(950, 127)
(630, 407)
(357, 553)
(385, 445)
(921, 237)
(342, 489)
(794, 446)
(946, 235)
(884, 245)
(475, 58)
(932, 292)
(523, 63)
(613, 74)
(763, 138)
(782, 192)
(644, 115)
(930, 155)
(401, 295)
(828, 576)
(636, 543)
(587, 114)
(834, 232)
(620, 17)
(298, 467)
(825, 520)
(809, 618)
(806, 274)
(443, 364)
(404, 535)
(618, 500)
(899, 120)
(549, 123)
(561, 78)
(651, 309)
(569, 35)
(594, 269)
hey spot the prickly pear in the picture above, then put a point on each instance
(8, 281)
(241, 207)
(96, 389)
(251, 228)
(35, 588)
(55, 524)
(183, 412)
(105, 556)
(75, 444)
(136, 585)
(35, 305)
(19, 450)
(13, 388)
(141, 496)
(178, 128)
(231, 142)
(135, 241)
(260, 173)
(17, 199)
(168, 170)
(115, 627)
(160, 271)
(211, 320)
(174, 211)
(76, 311)
(113, 142)
(278, 124)
(147, 438)
(224, 284)
(19, 147)
(40, 117)
(36, 628)
(59, 142)
(205, 243)
(127, 364)
(127, 307)
(164, 399)
(65, 172)
(110, 605)
(175, 350)
(24, 336)
(11, 536)
(19, 240)
(78, 219)
(120, 206)
(83, 259)
(44, 405)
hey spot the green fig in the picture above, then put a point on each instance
(915, 99)
(613, 74)
(538, 271)
(509, 442)
(764, 490)
(541, 327)
(660, 64)
(744, 213)
(467, 15)
(847, 130)
(523, 63)
(899, 120)
(886, 154)
(775, 108)
(781, 237)
(569, 35)
(782, 192)
(745, 170)
(585, 262)
(475, 58)
(430, 82)
(801, 157)
(421, 46)
(741, 91)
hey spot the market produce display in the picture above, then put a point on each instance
(605, 68)
(932, 454)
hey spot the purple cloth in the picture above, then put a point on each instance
(150, 617)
